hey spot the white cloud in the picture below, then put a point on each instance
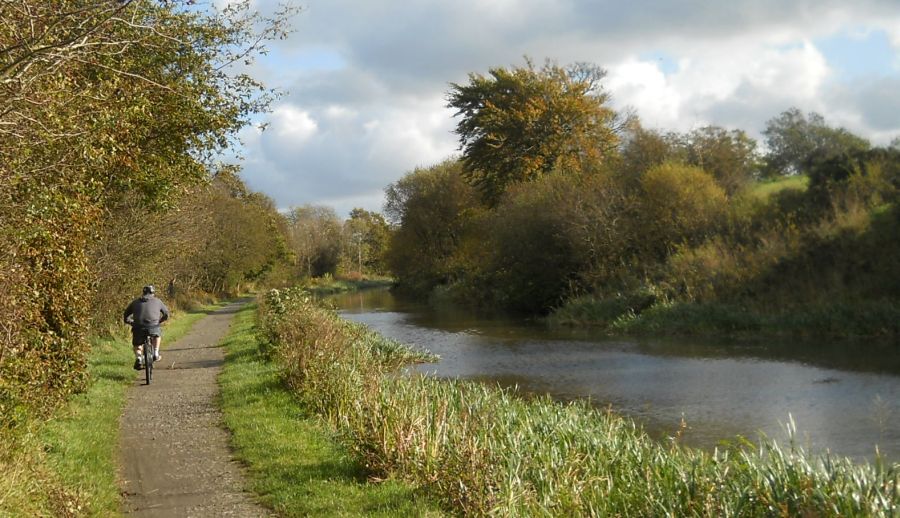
(292, 124)
(333, 152)
(893, 31)
(366, 96)
(642, 84)
(721, 85)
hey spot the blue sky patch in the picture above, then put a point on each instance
(856, 54)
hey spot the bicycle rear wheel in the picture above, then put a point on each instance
(148, 360)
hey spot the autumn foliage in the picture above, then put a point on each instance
(112, 115)
(558, 202)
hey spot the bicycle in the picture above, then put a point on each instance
(148, 358)
(147, 355)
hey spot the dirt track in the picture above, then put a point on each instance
(174, 454)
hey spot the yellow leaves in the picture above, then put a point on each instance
(519, 124)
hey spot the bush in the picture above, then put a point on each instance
(679, 204)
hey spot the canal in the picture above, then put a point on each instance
(842, 396)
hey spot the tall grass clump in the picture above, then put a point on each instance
(487, 452)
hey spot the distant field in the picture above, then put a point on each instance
(769, 187)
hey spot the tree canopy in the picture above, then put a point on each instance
(112, 115)
(792, 138)
(518, 124)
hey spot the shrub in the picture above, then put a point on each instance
(679, 204)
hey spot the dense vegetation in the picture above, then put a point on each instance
(486, 452)
(113, 119)
(557, 204)
(113, 114)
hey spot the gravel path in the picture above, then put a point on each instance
(174, 453)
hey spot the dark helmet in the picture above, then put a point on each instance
(149, 289)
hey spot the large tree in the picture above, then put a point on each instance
(430, 210)
(315, 233)
(366, 237)
(792, 138)
(518, 124)
(729, 156)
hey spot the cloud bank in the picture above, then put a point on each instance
(366, 80)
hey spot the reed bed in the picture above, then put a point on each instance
(487, 452)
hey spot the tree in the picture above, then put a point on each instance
(520, 124)
(104, 106)
(680, 203)
(315, 235)
(792, 138)
(365, 240)
(729, 156)
(531, 261)
(642, 149)
(430, 210)
(864, 178)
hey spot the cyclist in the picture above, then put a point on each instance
(145, 314)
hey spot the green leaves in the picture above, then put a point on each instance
(109, 108)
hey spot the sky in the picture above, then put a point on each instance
(365, 81)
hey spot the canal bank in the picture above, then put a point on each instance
(842, 395)
(484, 451)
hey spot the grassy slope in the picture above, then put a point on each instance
(295, 464)
(766, 189)
(321, 286)
(82, 441)
(840, 317)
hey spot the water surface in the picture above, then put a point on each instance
(843, 396)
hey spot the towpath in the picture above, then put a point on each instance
(174, 454)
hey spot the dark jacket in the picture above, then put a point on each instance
(147, 312)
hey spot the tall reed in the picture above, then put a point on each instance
(487, 452)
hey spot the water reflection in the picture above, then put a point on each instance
(842, 396)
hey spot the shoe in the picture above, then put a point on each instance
(157, 357)
(138, 364)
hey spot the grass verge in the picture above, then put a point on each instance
(766, 189)
(67, 465)
(296, 465)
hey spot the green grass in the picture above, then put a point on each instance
(296, 464)
(81, 441)
(765, 189)
(839, 319)
(591, 311)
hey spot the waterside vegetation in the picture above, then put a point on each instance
(611, 224)
(483, 451)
